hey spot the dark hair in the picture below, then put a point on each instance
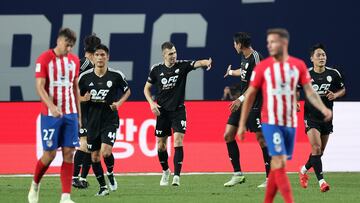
(102, 47)
(90, 43)
(167, 45)
(243, 38)
(316, 46)
(282, 32)
(68, 34)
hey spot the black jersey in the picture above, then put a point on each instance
(246, 68)
(170, 83)
(104, 91)
(85, 64)
(329, 80)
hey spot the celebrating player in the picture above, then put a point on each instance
(169, 78)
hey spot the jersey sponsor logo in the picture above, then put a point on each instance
(98, 96)
(322, 89)
(109, 84)
(169, 83)
(38, 68)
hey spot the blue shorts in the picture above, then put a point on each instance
(59, 132)
(279, 139)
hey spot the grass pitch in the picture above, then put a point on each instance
(344, 187)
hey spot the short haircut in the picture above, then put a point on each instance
(316, 46)
(243, 38)
(282, 32)
(68, 34)
(102, 47)
(91, 42)
(167, 45)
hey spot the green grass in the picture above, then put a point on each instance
(345, 187)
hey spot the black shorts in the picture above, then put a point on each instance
(253, 123)
(171, 119)
(106, 135)
(325, 128)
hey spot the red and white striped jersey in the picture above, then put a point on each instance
(278, 82)
(60, 73)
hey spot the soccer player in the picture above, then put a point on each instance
(329, 84)
(104, 85)
(56, 75)
(169, 78)
(277, 76)
(249, 59)
(82, 158)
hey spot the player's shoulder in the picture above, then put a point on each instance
(85, 64)
(256, 57)
(86, 74)
(266, 62)
(73, 56)
(333, 71)
(116, 72)
(156, 66)
(296, 60)
(46, 56)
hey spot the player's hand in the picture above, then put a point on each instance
(227, 71)
(241, 132)
(155, 108)
(209, 64)
(298, 107)
(327, 114)
(114, 106)
(55, 111)
(331, 95)
(86, 97)
(234, 105)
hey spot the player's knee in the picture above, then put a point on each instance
(229, 137)
(178, 143)
(316, 149)
(95, 158)
(106, 153)
(161, 145)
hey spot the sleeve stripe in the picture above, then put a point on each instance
(256, 57)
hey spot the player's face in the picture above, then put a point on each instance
(275, 45)
(237, 47)
(319, 58)
(64, 46)
(101, 58)
(170, 56)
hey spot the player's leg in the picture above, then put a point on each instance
(94, 145)
(254, 125)
(178, 123)
(277, 145)
(50, 128)
(79, 158)
(233, 149)
(108, 137)
(69, 139)
(162, 131)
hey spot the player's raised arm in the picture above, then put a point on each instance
(203, 63)
(153, 105)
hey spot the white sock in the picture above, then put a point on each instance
(238, 173)
(82, 179)
(303, 170)
(65, 196)
(321, 182)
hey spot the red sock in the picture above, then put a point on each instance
(40, 170)
(283, 183)
(65, 176)
(271, 188)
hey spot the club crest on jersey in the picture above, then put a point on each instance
(109, 84)
(329, 78)
(177, 71)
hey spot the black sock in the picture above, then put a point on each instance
(163, 158)
(308, 164)
(99, 173)
(267, 160)
(79, 155)
(234, 155)
(178, 160)
(86, 165)
(317, 164)
(109, 162)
